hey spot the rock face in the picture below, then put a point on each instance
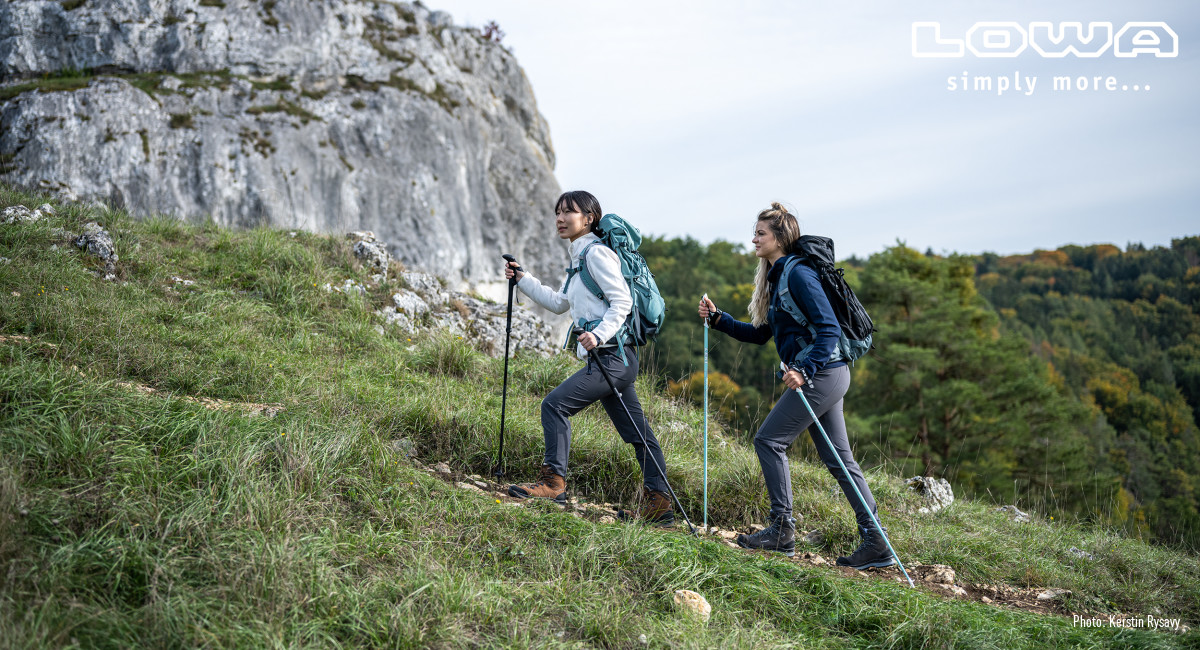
(325, 115)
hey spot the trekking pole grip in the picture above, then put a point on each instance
(509, 258)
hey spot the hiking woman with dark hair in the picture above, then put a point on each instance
(577, 216)
(813, 362)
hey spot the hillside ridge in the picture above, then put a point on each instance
(164, 518)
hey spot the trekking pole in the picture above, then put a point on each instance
(846, 473)
(705, 299)
(612, 386)
(498, 471)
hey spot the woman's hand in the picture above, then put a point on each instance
(510, 271)
(588, 341)
(793, 380)
(707, 308)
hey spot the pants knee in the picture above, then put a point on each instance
(550, 406)
(629, 437)
(763, 444)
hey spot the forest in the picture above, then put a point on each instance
(1066, 381)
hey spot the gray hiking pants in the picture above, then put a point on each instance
(788, 419)
(588, 386)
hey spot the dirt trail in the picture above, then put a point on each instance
(936, 579)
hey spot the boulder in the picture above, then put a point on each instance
(1053, 594)
(96, 241)
(935, 573)
(409, 303)
(936, 492)
(1080, 553)
(373, 255)
(1015, 514)
(427, 286)
(693, 603)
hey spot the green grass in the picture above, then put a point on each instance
(181, 121)
(283, 107)
(150, 521)
(46, 85)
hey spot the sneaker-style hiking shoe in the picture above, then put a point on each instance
(873, 552)
(779, 536)
(548, 486)
(654, 507)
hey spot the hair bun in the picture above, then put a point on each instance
(779, 206)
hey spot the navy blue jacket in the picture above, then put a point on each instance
(791, 337)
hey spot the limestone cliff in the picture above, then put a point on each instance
(326, 115)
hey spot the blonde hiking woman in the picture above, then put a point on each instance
(813, 364)
(577, 216)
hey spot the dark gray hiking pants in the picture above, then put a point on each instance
(588, 386)
(788, 419)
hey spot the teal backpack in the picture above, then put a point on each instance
(649, 309)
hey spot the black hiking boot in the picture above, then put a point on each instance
(779, 536)
(873, 552)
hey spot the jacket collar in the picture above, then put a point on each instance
(776, 268)
(578, 245)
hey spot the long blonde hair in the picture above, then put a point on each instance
(786, 229)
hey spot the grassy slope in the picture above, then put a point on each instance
(131, 520)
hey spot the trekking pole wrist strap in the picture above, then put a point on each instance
(795, 365)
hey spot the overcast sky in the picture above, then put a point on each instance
(688, 118)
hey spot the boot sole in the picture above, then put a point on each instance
(514, 492)
(661, 523)
(788, 552)
(878, 564)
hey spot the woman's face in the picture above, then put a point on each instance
(765, 244)
(571, 223)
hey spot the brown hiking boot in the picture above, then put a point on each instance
(653, 507)
(549, 486)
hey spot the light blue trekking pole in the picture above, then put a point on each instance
(846, 473)
(705, 298)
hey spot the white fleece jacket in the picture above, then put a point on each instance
(605, 269)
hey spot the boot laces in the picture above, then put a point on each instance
(775, 526)
(868, 541)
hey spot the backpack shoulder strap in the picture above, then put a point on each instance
(788, 303)
(585, 275)
(784, 292)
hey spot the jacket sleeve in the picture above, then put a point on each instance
(605, 269)
(810, 296)
(744, 332)
(555, 301)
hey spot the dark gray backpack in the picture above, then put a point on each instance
(855, 323)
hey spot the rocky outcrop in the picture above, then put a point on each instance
(424, 303)
(97, 242)
(325, 115)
